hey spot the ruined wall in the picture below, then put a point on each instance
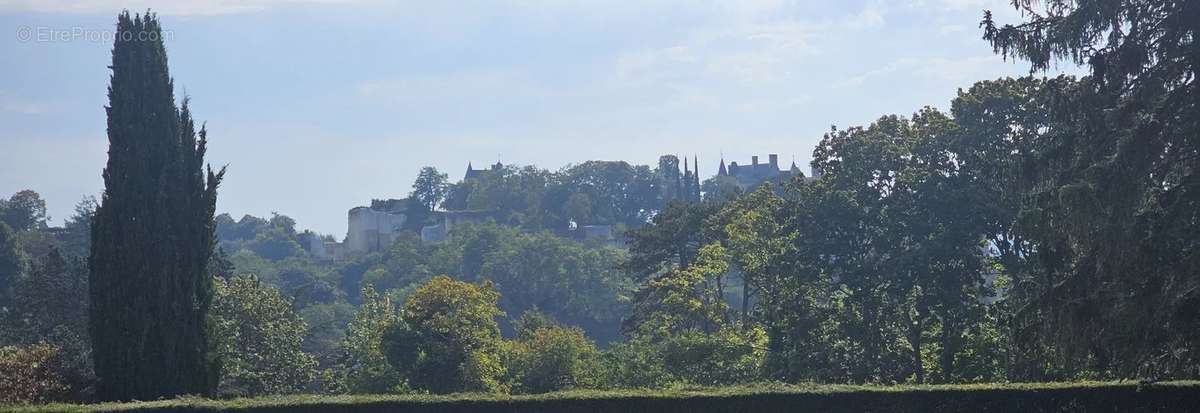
(371, 230)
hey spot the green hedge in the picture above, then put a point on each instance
(1022, 398)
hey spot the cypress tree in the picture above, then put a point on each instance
(695, 179)
(153, 233)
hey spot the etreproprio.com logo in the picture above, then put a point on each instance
(46, 34)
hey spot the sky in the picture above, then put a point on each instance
(318, 106)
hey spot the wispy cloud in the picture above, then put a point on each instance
(950, 71)
(14, 105)
(959, 5)
(871, 15)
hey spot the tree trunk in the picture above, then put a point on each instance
(949, 338)
(914, 339)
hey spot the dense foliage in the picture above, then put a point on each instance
(1113, 191)
(32, 374)
(447, 339)
(592, 193)
(547, 356)
(257, 337)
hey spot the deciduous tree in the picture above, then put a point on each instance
(258, 339)
(449, 340)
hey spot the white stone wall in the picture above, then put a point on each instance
(370, 230)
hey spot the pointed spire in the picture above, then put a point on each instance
(722, 171)
(470, 171)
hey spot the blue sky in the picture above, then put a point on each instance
(321, 105)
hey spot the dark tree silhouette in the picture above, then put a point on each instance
(153, 233)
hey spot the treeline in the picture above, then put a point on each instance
(614, 193)
(45, 348)
(575, 282)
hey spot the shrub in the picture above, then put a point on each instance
(635, 363)
(33, 374)
(552, 357)
(729, 356)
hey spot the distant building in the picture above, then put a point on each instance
(369, 229)
(475, 173)
(749, 176)
(591, 233)
(372, 230)
(326, 249)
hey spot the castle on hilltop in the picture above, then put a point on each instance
(368, 229)
(376, 227)
(473, 173)
(749, 176)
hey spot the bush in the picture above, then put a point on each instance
(547, 358)
(33, 374)
(729, 356)
(635, 363)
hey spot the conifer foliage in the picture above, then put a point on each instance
(153, 232)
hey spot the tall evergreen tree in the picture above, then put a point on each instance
(153, 233)
(1115, 199)
(695, 179)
